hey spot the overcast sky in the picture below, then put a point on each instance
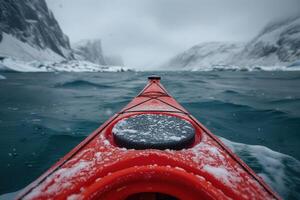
(148, 32)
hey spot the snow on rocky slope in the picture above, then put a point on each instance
(277, 44)
(276, 47)
(10, 46)
(29, 31)
(205, 56)
(295, 64)
(31, 40)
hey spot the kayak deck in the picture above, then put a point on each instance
(101, 168)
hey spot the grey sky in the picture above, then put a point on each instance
(148, 32)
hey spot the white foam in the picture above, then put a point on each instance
(280, 171)
(9, 196)
(15, 64)
(2, 77)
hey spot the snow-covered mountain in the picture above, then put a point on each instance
(276, 47)
(89, 50)
(29, 31)
(31, 40)
(205, 55)
(277, 44)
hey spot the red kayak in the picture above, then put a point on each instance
(152, 149)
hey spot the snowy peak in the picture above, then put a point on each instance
(277, 43)
(89, 50)
(205, 54)
(277, 46)
(31, 22)
(278, 26)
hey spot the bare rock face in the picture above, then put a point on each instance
(31, 22)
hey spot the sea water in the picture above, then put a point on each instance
(256, 114)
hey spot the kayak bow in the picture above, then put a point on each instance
(152, 149)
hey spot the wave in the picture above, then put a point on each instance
(230, 106)
(279, 170)
(231, 92)
(81, 84)
(9, 196)
(287, 100)
(2, 77)
(217, 112)
(217, 104)
(63, 143)
(277, 77)
(83, 96)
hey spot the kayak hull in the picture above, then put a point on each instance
(98, 168)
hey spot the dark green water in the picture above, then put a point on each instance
(44, 115)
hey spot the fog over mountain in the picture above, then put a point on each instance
(31, 40)
(277, 45)
(90, 50)
(146, 33)
(205, 56)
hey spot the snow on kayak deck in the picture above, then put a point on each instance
(213, 164)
